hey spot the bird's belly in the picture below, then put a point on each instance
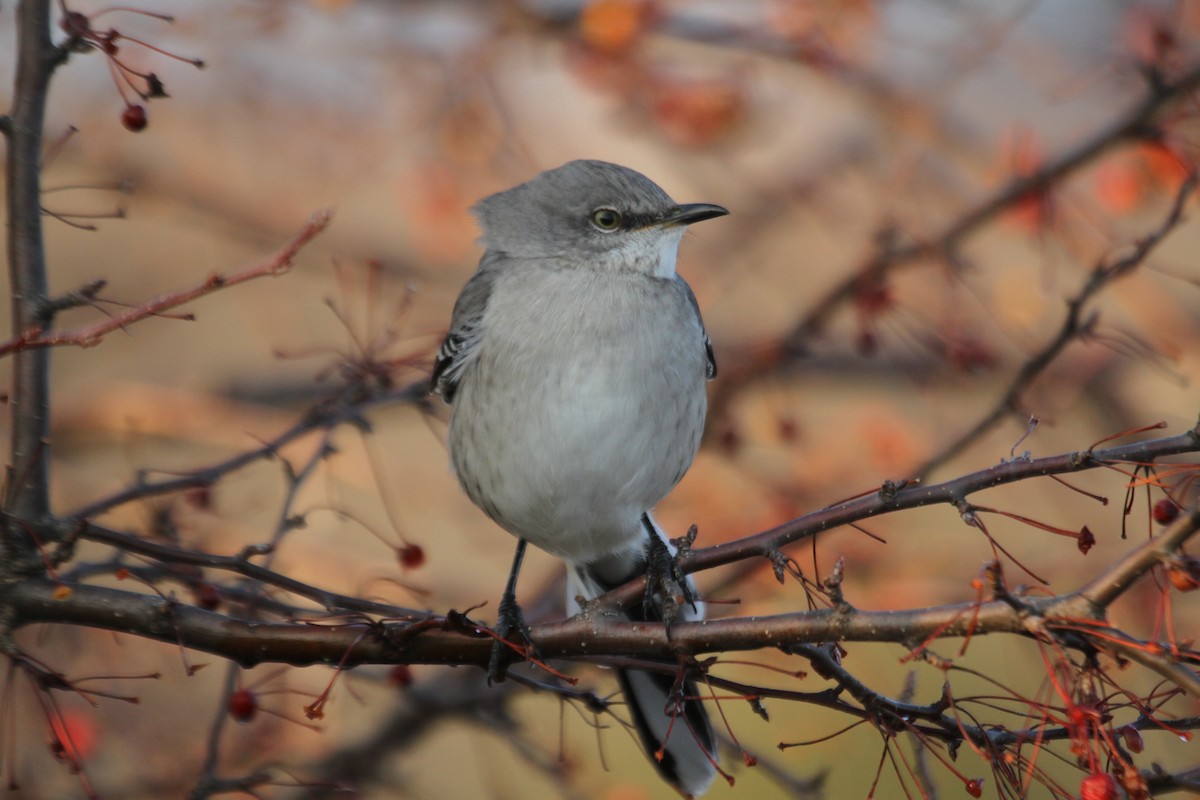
(572, 466)
(577, 417)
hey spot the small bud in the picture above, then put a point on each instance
(108, 43)
(75, 24)
(1133, 739)
(1086, 540)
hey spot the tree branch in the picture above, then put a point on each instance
(1073, 327)
(1138, 122)
(34, 337)
(331, 412)
(1135, 123)
(28, 495)
(892, 498)
(595, 633)
(241, 565)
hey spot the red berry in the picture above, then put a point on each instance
(970, 356)
(134, 117)
(1166, 511)
(867, 343)
(207, 596)
(411, 556)
(199, 496)
(730, 440)
(400, 676)
(1099, 786)
(873, 296)
(975, 787)
(243, 705)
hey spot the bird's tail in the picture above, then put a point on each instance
(671, 722)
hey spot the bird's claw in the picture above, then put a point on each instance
(667, 588)
(510, 622)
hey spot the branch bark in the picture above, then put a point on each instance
(28, 496)
(597, 633)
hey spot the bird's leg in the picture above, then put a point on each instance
(667, 588)
(510, 621)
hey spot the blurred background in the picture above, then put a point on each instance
(834, 131)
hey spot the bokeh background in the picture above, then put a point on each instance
(831, 130)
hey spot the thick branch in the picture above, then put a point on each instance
(249, 642)
(1113, 582)
(28, 483)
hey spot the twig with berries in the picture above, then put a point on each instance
(83, 37)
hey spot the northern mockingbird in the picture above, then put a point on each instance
(575, 367)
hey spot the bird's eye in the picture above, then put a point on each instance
(606, 219)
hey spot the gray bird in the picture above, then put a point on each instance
(575, 367)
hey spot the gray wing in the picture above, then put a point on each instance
(466, 332)
(708, 349)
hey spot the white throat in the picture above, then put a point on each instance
(652, 250)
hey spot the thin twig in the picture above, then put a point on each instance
(323, 415)
(33, 337)
(1074, 326)
(759, 361)
(171, 554)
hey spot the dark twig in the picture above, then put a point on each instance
(324, 415)
(1137, 123)
(586, 636)
(171, 554)
(913, 496)
(1074, 326)
(28, 486)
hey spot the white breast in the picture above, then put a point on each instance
(583, 409)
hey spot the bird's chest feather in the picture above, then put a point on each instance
(583, 409)
(604, 349)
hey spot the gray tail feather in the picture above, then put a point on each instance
(671, 723)
(672, 726)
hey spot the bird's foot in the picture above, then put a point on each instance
(512, 634)
(667, 588)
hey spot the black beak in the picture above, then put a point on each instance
(692, 212)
